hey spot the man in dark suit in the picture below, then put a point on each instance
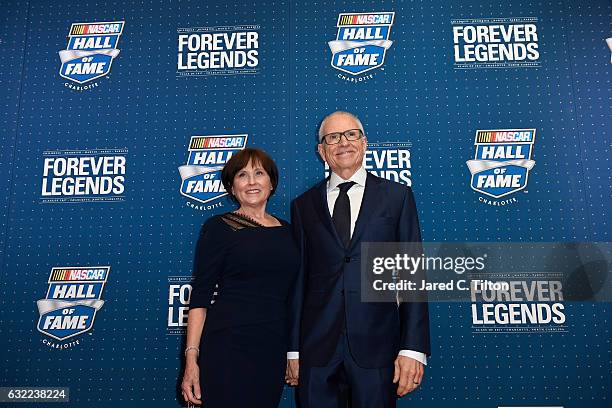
(346, 352)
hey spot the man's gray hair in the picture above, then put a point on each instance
(336, 113)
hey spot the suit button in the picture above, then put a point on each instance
(347, 259)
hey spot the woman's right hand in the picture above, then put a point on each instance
(191, 383)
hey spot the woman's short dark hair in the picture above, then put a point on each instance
(240, 160)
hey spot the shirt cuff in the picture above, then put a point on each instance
(293, 355)
(417, 355)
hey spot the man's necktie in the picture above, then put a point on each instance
(342, 213)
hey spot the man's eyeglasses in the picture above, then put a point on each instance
(334, 138)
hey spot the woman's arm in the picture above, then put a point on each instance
(191, 378)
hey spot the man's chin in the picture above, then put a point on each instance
(346, 161)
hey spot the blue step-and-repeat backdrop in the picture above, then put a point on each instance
(117, 116)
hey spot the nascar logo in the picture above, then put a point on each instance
(73, 298)
(362, 41)
(502, 162)
(91, 49)
(201, 176)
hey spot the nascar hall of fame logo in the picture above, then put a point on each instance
(91, 49)
(361, 44)
(496, 43)
(73, 299)
(201, 176)
(388, 160)
(221, 50)
(502, 163)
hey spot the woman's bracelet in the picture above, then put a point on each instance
(192, 348)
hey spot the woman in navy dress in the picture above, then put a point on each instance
(236, 347)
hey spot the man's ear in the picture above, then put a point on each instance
(321, 151)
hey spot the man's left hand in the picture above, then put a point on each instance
(409, 374)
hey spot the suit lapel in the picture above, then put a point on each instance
(323, 208)
(371, 199)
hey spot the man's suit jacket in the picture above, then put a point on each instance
(327, 293)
